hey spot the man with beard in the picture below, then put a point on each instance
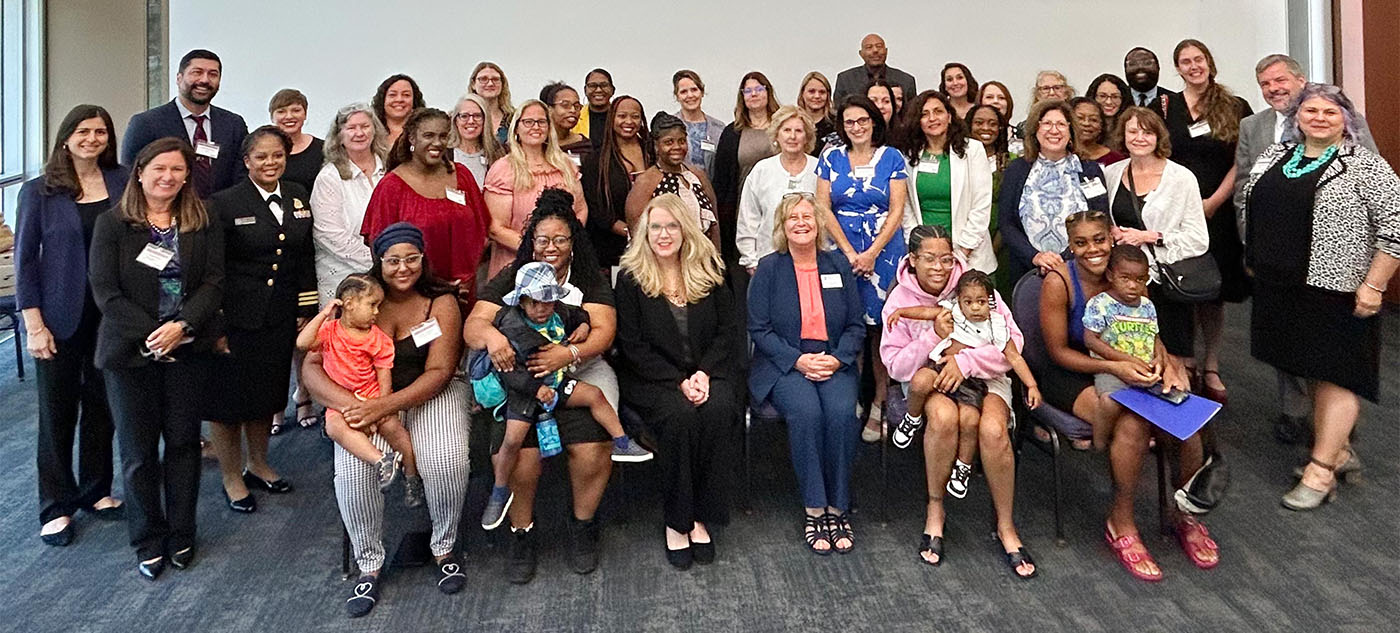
(215, 133)
(873, 53)
(1280, 80)
(1141, 69)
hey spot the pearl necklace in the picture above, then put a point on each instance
(1292, 170)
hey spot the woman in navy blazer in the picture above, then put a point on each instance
(1054, 182)
(807, 323)
(57, 212)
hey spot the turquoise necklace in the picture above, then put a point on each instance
(1292, 170)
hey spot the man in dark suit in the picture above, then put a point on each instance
(215, 133)
(1280, 79)
(1141, 70)
(856, 80)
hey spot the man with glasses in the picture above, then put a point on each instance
(1141, 69)
(873, 53)
(598, 89)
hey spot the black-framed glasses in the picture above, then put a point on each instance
(559, 241)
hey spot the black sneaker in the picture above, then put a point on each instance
(520, 566)
(583, 556)
(905, 430)
(450, 576)
(388, 468)
(363, 598)
(413, 493)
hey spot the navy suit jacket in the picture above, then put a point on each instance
(1013, 233)
(50, 255)
(775, 318)
(162, 121)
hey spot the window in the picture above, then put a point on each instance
(21, 105)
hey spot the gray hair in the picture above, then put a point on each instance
(490, 147)
(1330, 93)
(334, 150)
(1278, 58)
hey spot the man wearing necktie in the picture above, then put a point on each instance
(1141, 70)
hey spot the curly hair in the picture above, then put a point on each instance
(1002, 143)
(913, 141)
(558, 204)
(379, 95)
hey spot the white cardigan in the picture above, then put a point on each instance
(972, 204)
(1173, 209)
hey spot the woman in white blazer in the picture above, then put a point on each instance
(1167, 221)
(950, 179)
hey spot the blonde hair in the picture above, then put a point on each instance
(802, 88)
(503, 101)
(1035, 87)
(490, 147)
(782, 116)
(702, 269)
(780, 216)
(553, 156)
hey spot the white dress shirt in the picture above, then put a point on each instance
(185, 114)
(337, 212)
(274, 206)
(765, 187)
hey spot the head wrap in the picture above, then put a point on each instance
(397, 233)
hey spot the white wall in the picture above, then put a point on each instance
(337, 52)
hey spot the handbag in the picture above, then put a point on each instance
(1191, 280)
(1206, 488)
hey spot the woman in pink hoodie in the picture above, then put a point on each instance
(927, 275)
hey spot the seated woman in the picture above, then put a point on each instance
(420, 314)
(554, 234)
(680, 352)
(1068, 384)
(928, 275)
(807, 323)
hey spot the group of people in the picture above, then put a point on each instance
(826, 257)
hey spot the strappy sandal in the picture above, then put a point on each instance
(1015, 559)
(1196, 542)
(1123, 547)
(931, 545)
(307, 421)
(838, 526)
(814, 530)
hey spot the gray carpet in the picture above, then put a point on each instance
(1334, 570)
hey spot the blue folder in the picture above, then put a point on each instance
(1181, 420)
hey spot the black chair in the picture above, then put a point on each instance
(1060, 425)
(9, 309)
(762, 412)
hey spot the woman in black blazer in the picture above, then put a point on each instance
(157, 272)
(57, 212)
(807, 323)
(270, 288)
(680, 353)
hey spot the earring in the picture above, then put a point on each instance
(410, 147)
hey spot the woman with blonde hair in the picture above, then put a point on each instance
(472, 147)
(814, 98)
(514, 183)
(680, 350)
(490, 83)
(793, 170)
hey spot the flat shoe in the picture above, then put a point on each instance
(246, 505)
(680, 558)
(183, 558)
(109, 513)
(932, 545)
(703, 553)
(151, 570)
(277, 487)
(60, 538)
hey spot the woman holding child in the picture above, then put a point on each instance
(962, 420)
(680, 350)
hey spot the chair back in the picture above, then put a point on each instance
(1025, 306)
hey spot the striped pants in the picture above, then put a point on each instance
(439, 429)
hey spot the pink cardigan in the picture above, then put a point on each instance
(906, 347)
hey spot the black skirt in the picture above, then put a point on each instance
(251, 381)
(1228, 251)
(1311, 333)
(1176, 323)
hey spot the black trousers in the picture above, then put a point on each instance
(695, 450)
(72, 401)
(159, 401)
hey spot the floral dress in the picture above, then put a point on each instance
(860, 199)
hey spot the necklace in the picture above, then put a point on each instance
(161, 231)
(1292, 170)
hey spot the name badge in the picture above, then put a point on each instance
(155, 256)
(866, 172)
(1201, 128)
(301, 214)
(425, 332)
(928, 166)
(206, 149)
(831, 280)
(706, 146)
(794, 184)
(484, 162)
(457, 195)
(1093, 188)
(578, 162)
(245, 221)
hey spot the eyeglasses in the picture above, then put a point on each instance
(669, 228)
(468, 116)
(861, 122)
(1050, 89)
(809, 197)
(395, 262)
(756, 90)
(597, 85)
(534, 122)
(1108, 96)
(559, 241)
(940, 261)
(482, 79)
(568, 105)
(1053, 125)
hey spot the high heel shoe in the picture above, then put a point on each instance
(246, 505)
(1348, 472)
(1304, 497)
(1211, 393)
(151, 569)
(277, 486)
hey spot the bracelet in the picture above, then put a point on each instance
(574, 350)
(1368, 285)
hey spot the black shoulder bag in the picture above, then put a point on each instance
(1191, 280)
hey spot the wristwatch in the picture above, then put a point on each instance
(186, 328)
(1161, 239)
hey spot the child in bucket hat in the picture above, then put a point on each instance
(535, 317)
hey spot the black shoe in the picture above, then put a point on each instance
(680, 558)
(1290, 430)
(583, 556)
(279, 487)
(60, 538)
(703, 553)
(151, 570)
(246, 505)
(113, 513)
(520, 566)
(183, 558)
(450, 576)
(363, 598)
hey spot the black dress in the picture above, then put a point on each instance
(1175, 321)
(607, 203)
(1300, 329)
(1210, 159)
(303, 166)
